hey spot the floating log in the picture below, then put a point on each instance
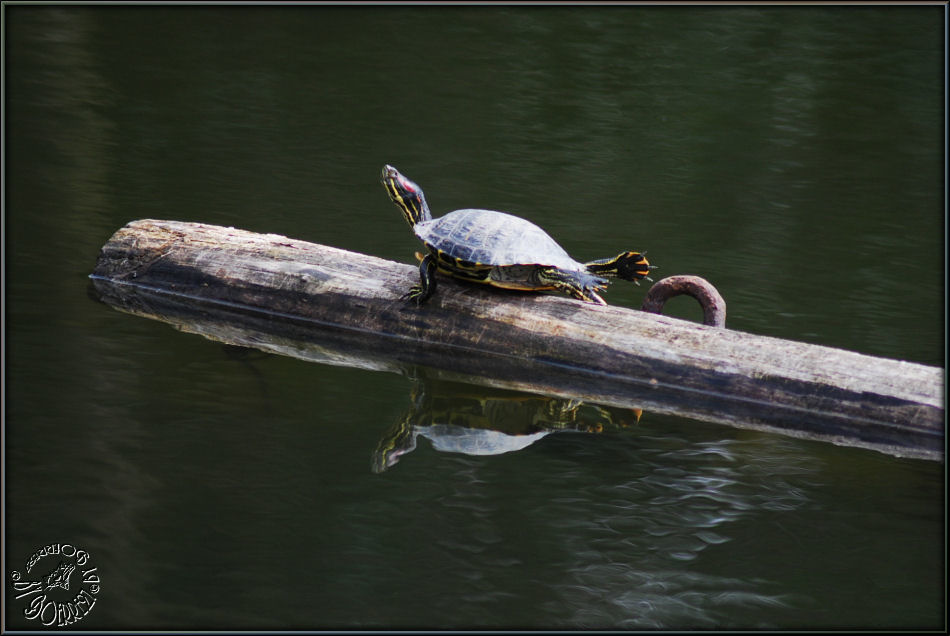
(322, 303)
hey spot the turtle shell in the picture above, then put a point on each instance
(450, 438)
(487, 237)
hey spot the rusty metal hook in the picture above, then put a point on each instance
(714, 307)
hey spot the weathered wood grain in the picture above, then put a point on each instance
(264, 288)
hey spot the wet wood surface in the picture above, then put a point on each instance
(263, 288)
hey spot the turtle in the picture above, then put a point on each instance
(458, 419)
(501, 249)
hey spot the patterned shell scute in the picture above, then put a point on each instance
(494, 238)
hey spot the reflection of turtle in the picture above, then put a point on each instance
(490, 422)
(501, 250)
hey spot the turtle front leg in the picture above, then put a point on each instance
(419, 293)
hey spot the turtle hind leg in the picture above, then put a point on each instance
(421, 292)
(631, 266)
(580, 285)
(590, 297)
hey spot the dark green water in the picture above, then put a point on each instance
(793, 156)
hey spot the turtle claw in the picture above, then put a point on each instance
(596, 299)
(415, 294)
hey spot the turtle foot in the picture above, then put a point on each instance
(416, 294)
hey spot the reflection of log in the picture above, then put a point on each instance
(188, 273)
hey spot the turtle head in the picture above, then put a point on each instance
(398, 440)
(406, 195)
